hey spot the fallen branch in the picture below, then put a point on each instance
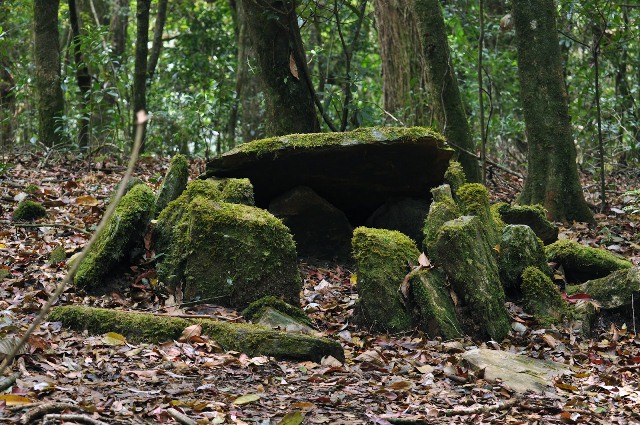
(454, 412)
(41, 410)
(180, 417)
(66, 226)
(8, 381)
(83, 419)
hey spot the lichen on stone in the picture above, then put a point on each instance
(29, 210)
(541, 296)
(382, 261)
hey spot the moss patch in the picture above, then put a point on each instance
(28, 211)
(256, 307)
(612, 291)
(519, 249)
(120, 236)
(57, 255)
(174, 182)
(533, 216)
(541, 296)
(382, 260)
(582, 263)
(231, 253)
(473, 199)
(436, 312)
(250, 339)
(439, 213)
(455, 177)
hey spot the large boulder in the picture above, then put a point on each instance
(232, 254)
(120, 238)
(356, 171)
(541, 296)
(382, 262)
(615, 291)
(463, 252)
(519, 249)
(319, 229)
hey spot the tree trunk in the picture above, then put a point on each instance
(443, 86)
(82, 77)
(7, 104)
(47, 71)
(282, 69)
(119, 24)
(156, 47)
(140, 68)
(552, 172)
(402, 64)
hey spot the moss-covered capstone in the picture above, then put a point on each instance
(227, 190)
(174, 183)
(473, 199)
(120, 237)
(613, 291)
(533, 216)
(382, 262)
(29, 210)
(582, 263)
(541, 296)
(442, 209)
(232, 254)
(432, 301)
(463, 252)
(270, 301)
(355, 171)
(250, 339)
(519, 249)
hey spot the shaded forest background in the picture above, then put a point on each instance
(202, 93)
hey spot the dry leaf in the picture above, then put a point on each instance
(293, 67)
(113, 338)
(400, 385)
(423, 260)
(14, 400)
(293, 418)
(87, 200)
(246, 399)
(550, 340)
(190, 332)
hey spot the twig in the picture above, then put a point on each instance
(481, 409)
(44, 409)
(180, 417)
(84, 419)
(8, 381)
(142, 118)
(66, 226)
(495, 164)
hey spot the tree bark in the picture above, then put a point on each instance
(156, 46)
(281, 65)
(552, 172)
(140, 68)
(442, 84)
(404, 81)
(118, 26)
(82, 76)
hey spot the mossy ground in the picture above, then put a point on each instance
(121, 234)
(250, 339)
(28, 211)
(541, 296)
(382, 260)
(582, 263)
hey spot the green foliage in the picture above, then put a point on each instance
(29, 210)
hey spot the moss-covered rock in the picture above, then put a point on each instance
(519, 249)
(613, 291)
(440, 212)
(462, 250)
(227, 190)
(120, 237)
(533, 216)
(436, 312)
(582, 263)
(270, 301)
(455, 177)
(174, 183)
(541, 296)
(29, 210)
(473, 199)
(231, 253)
(250, 339)
(133, 181)
(382, 261)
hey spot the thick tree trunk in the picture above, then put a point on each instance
(446, 103)
(402, 65)
(82, 76)
(7, 104)
(552, 172)
(156, 47)
(47, 71)
(140, 68)
(118, 26)
(281, 66)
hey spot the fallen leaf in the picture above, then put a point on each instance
(246, 399)
(423, 260)
(14, 400)
(400, 385)
(293, 418)
(87, 200)
(113, 338)
(190, 332)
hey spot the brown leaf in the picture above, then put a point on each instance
(293, 67)
(87, 200)
(190, 332)
(423, 260)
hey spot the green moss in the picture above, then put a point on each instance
(122, 233)
(175, 181)
(437, 315)
(519, 249)
(235, 191)
(612, 291)
(382, 261)
(455, 177)
(256, 308)
(583, 263)
(57, 255)
(439, 213)
(250, 339)
(319, 140)
(541, 296)
(29, 210)
(462, 250)
(233, 253)
(533, 216)
(4, 273)
(473, 199)
(32, 189)
(133, 181)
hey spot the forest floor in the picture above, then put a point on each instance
(385, 377)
